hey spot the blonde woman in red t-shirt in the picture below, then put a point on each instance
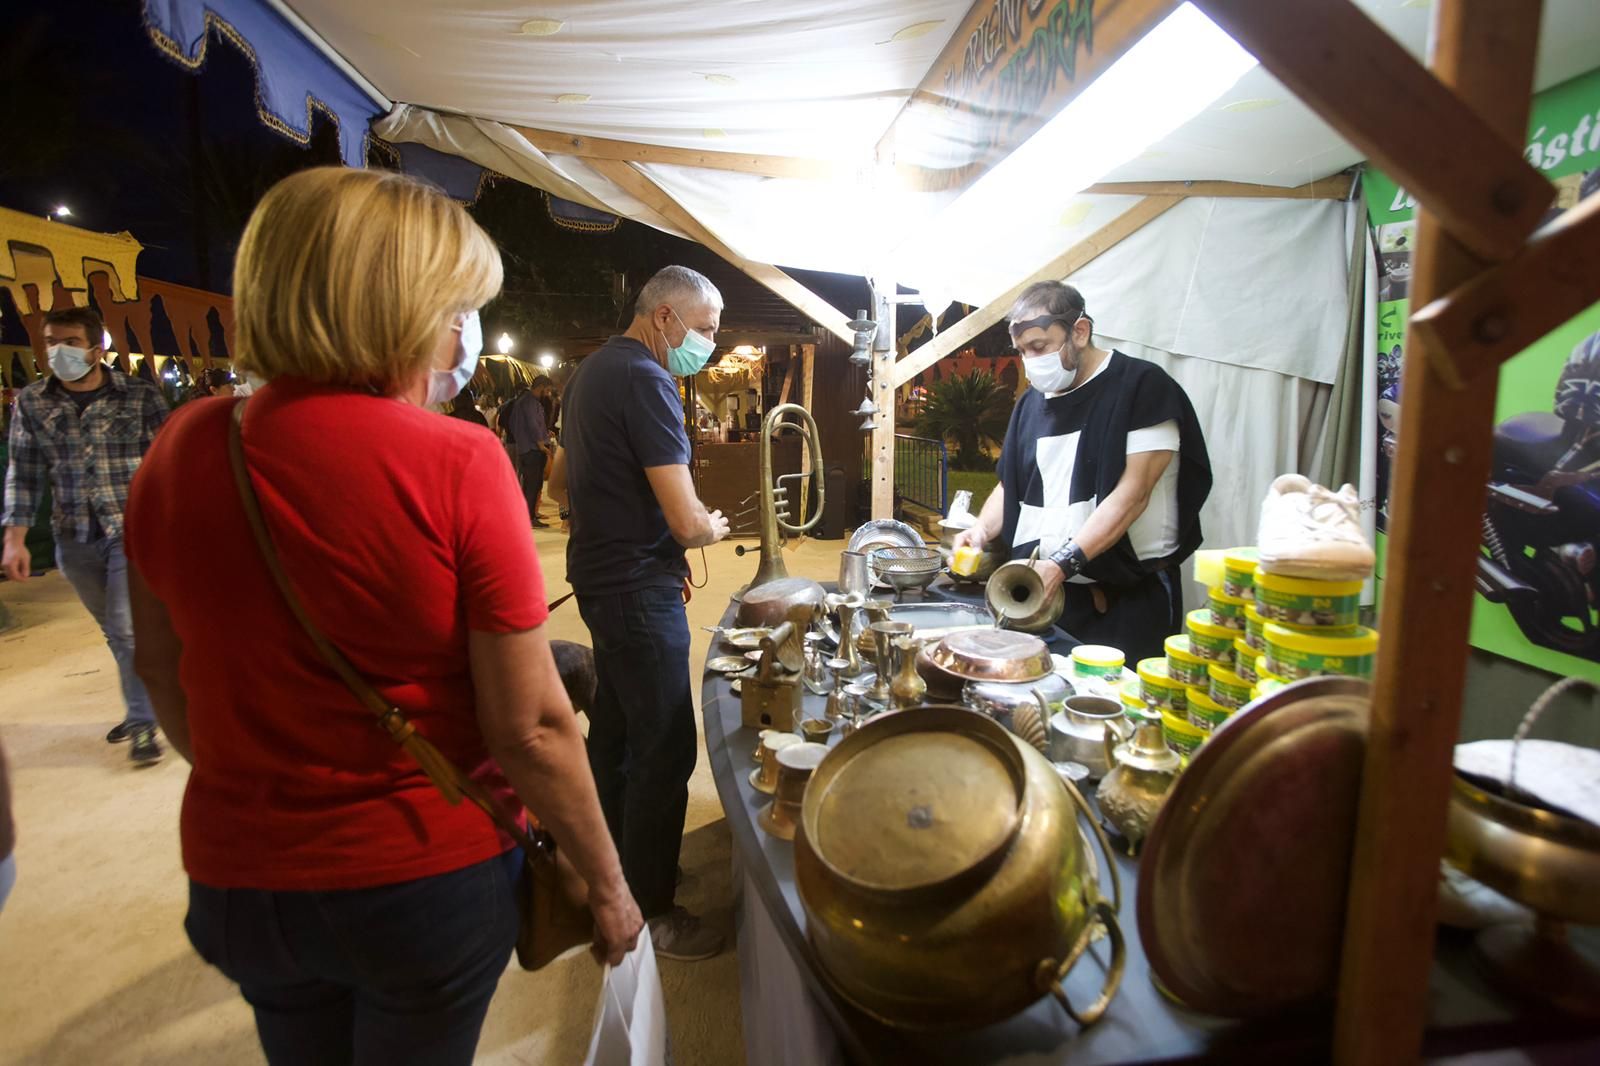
(364, 918)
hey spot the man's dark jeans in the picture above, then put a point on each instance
(531, 470)
(642, 741)
(399, 973)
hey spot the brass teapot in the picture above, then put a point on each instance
(1143, 769)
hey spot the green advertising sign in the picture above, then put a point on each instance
(1542, 524)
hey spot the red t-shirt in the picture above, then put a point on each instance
(400, 530)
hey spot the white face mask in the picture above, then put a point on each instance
(69, 363)
(1046, 373)
(444, 385)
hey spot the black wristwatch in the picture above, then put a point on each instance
(1070, 558)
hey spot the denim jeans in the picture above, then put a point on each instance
(530, 470)
(372, 976)
(642, 741)
(98, 573)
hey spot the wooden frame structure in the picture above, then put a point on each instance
(1452, 135)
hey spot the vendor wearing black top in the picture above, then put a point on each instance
(1103, 472)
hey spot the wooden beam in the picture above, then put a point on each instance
(1072, 260)
(593, 148)
(653, 196)
(1365, 85)
(1484, 50)
(1481, 324)
(1333, 187)
(1006, 71)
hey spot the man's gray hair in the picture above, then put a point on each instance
(1047, 298)
(677, 286)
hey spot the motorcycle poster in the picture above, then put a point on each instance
(1538, 575)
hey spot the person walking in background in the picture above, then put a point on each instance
(364, 917)
(82, 432)
(526, 427)
(624, 469)
(214, 381)
(463, 408)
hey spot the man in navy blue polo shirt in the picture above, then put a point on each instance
(624, 468)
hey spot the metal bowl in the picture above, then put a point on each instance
(906, 560)
(993, 655)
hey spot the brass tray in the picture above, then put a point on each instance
(993, 655)
(1243, 881)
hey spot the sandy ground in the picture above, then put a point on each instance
(96, 965)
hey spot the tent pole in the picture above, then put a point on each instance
(636, 184)
(1483, 51)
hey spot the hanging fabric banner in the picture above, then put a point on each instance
(293, 78)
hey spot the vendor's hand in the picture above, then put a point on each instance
(973, 536)
(617, 922)
(16, 562)
(719, 526)
(1050, 574)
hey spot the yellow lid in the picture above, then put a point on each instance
(1153, 671)
(1267, 675)
(1362, 641)
(1223, 675)
(1241, 559)
(1307, 586)
(1236, 601)
(1181, 725)
(1200, 622)
(1098, 655)
(1244, 651)
(1199, 697)
(1133, 700)
(1178, 648)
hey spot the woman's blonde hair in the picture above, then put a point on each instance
(348, 277)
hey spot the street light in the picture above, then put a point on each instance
(62, 211)
(505, 344)
(547, 360)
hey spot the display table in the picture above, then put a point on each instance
(792, 1016)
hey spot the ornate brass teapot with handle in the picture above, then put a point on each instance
(1143, 769)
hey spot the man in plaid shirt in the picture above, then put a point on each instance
(84, 430)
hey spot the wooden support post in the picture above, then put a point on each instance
(1500, 312)
(1334, 187)
(1069, 262)
(591, 148)
(637, 185)
(1365, 85)
(883, 393)
(1483, 50)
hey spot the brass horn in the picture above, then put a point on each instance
(776, 493)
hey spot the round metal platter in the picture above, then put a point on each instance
(1243, 880)
(882, 533)
(727, 664)
(992, 655)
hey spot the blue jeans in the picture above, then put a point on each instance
(642, 742)
(371, 976)
(98, 573)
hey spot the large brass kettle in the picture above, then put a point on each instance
(945, 881)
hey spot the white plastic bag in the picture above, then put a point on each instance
(630, 1024)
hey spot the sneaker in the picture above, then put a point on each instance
(1309, 531)
(540, 524)
(120, 732)
(146, 750)
(683, 936)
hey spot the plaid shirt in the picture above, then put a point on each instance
(89, 460)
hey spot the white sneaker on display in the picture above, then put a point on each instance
(1309, 531)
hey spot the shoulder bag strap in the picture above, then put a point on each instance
(440, 770)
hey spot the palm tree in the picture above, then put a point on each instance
(967, 410)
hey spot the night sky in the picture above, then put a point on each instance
(97, 118)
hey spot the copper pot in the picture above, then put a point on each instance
(943, 875)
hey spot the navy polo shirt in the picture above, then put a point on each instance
(622, 414)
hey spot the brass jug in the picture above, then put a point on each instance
(1015, 593)
(1143, 769)
(908, 688)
